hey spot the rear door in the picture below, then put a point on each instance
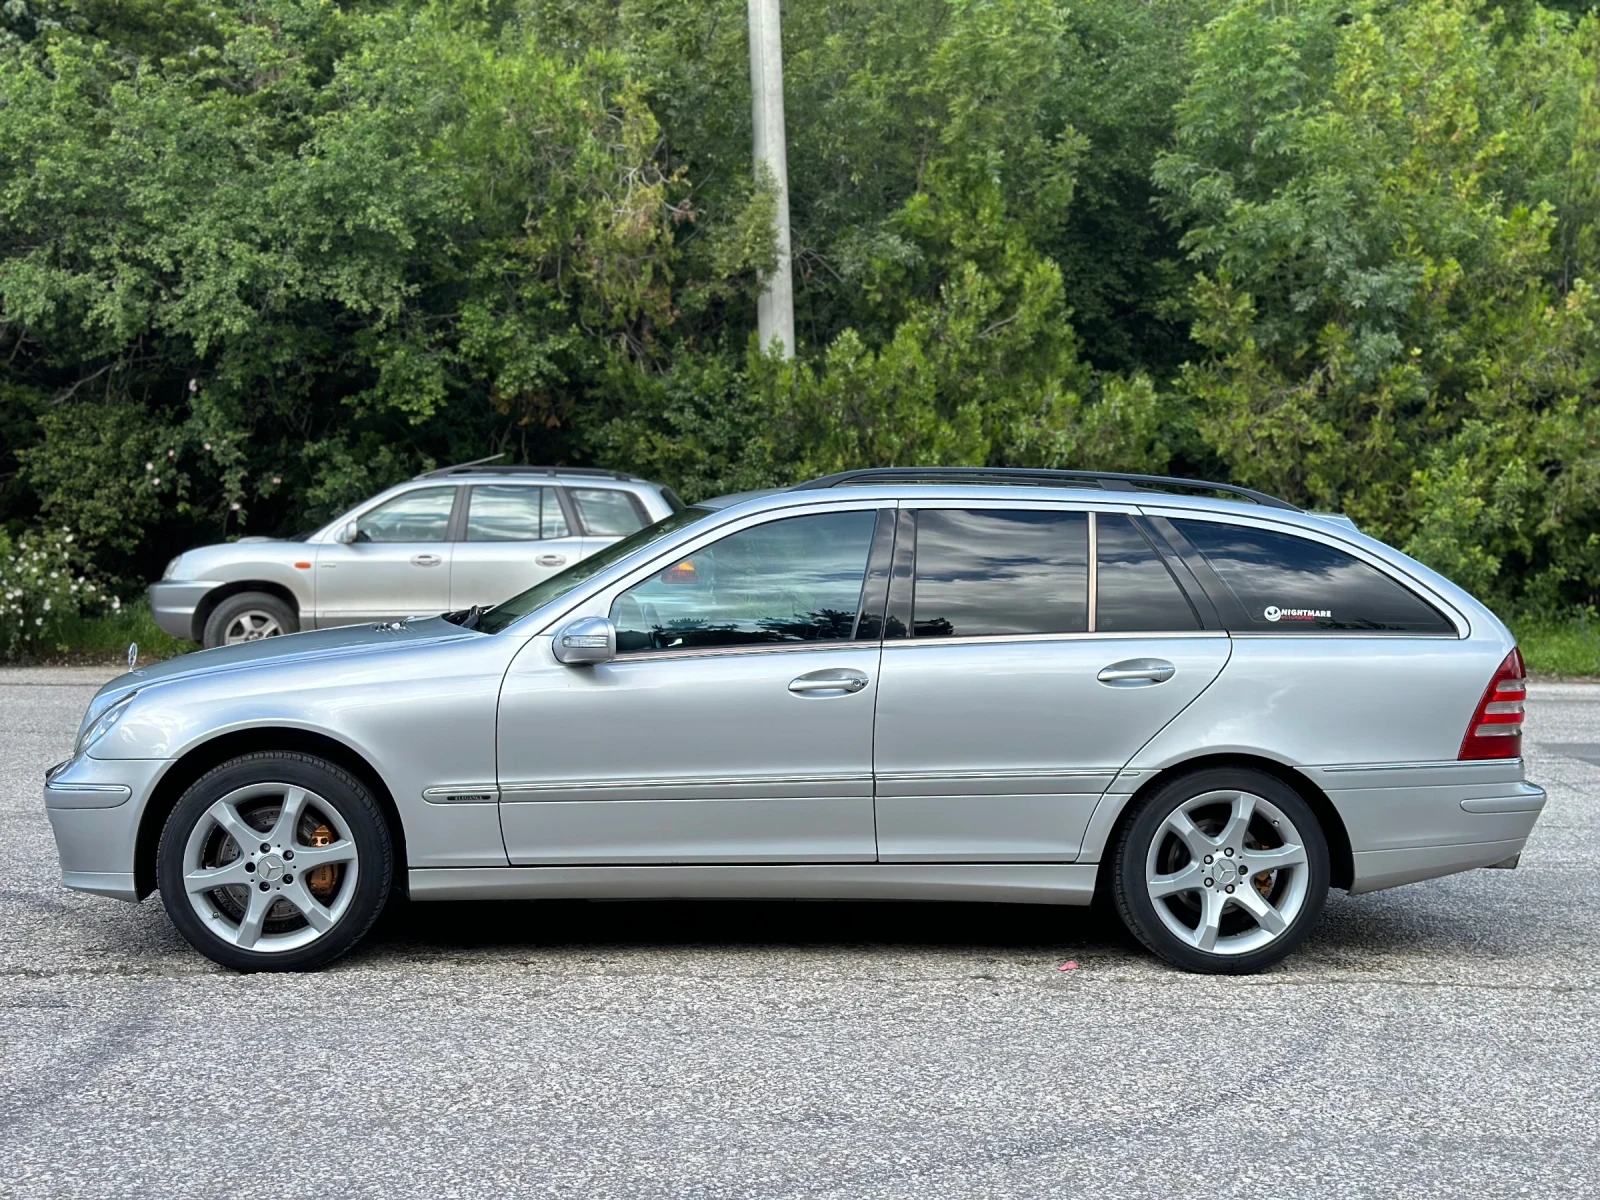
(398, 566)
(514, 536)
(605, 514)
(1030, 650)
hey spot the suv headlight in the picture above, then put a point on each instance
(102, 725)
(172, 568)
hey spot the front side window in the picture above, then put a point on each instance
(1135, 592)
(607, 512)
(797, 579)
(1289, 584)
(419, 516)
(514, 513)
(997, 572)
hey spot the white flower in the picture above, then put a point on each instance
(38, 620)
(170, 453)
(116, 602)
(149, 466)
(47, 604)
(208, 445)
(234, 507)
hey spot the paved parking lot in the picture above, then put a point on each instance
(1437, 1040)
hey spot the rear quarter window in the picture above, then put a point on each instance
(1290, 584)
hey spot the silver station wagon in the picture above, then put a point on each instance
(1033, 686)
(452, 538)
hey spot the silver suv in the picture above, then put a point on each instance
(448, 539)
(1026, 686)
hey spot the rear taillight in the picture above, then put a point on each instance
(1496, 729)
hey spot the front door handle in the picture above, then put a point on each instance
(1137, 672)
(834, 682)
(426, 560)
(551, 560)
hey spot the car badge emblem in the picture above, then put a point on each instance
(133, 655)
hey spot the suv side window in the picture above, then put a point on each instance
(997, 572)
(1135, 592)
(514, 513)
(608, 512)
(422, 515)
(797, 579)
(1289, 584)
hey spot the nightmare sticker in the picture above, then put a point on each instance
(1274, 613)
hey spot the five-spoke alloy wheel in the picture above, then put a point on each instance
(1222, 870)
(274, 861)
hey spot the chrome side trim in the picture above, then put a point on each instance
(1087, 773)
(463, 793)
(692, 781)
(1028, 883)
(1416, 766)
(85, 795)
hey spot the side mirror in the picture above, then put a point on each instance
(587, 641)
(348, 532)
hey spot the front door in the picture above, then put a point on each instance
(516, 535)
(398, 566)
(1009, 702)
(735, 724)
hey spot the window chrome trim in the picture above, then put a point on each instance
(990, 639)
(1094, 569)
(754, 648)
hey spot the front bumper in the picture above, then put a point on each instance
(94, 807)
(174, 601)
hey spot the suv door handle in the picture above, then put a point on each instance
(833, 682)
(1137, 672)
(551, 560)
(426, 560)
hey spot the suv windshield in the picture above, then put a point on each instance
(540, 594)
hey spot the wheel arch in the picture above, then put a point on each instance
(208, 602)
(197, 760)
(1340, 855)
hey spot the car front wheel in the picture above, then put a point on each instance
(248, 617)
(1223, 871)
(275, 862)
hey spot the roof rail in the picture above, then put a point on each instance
(1111, 481)
(478, 467)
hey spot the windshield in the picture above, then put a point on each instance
(540, 594)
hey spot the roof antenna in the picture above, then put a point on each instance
(477, 462)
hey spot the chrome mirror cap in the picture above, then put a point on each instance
(586, 641)
(347, 533)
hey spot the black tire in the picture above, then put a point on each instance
(243, 606)
(331, 788)
(1130, 858)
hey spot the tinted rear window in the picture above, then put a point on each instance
(999, 571)
(1135, 593)
(1289, 584)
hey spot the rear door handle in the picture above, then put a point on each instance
(1137, 672)
(551, 560)
(833, 682)
(426, 560)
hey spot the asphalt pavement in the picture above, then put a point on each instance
(1441, 1039)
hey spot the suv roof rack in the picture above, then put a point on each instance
(1111, 481)
(478, 467)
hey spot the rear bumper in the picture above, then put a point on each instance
(174, 603)
(1402, 835)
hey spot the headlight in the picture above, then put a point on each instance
(172, 568)
(102, 725)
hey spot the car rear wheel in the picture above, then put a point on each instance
(275, 862)
(1223, 871)
(248, 617)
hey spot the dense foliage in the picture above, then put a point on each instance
(260, 257)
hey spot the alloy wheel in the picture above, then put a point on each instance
(1227, 872)
(270, 867)
(250, 626)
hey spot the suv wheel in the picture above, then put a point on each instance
(1223, 871)
(248, 617)
(274, 862)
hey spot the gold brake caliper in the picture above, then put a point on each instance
(325, 878)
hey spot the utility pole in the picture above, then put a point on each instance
(775, 309)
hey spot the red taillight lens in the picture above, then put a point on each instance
(1496, 729)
